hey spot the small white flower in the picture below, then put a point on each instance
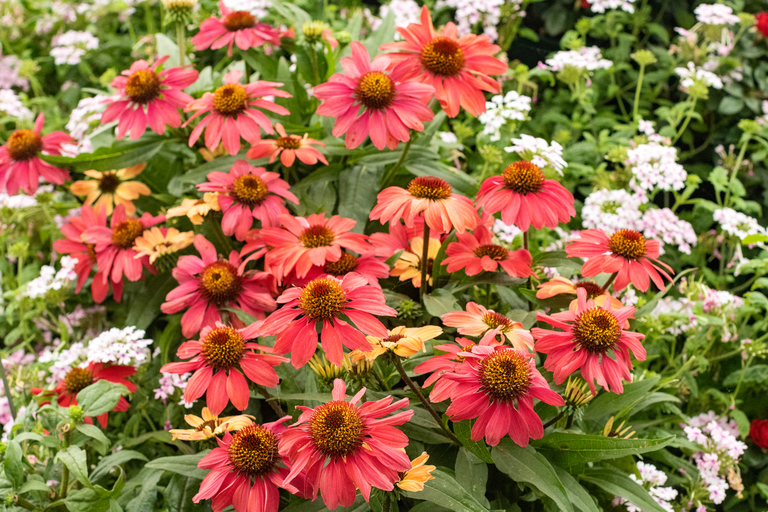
(539, 151)
(715, 14)
(588, 58)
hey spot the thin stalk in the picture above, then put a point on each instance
(609, 282)
(741, 378)
(313, 60)
(181, 41)
(272, 401)
(687, 120)
(7, 392)
(555, 419)
(636, 107)
(392, 172)
(488, 295)
(735, 169)
(530, 281)
(424, 264)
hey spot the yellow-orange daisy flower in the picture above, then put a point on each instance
(403, 341)
(110, 188)
(157, 242)
(409, 264)
(414, 479)
(210, 425)
(560, 285)
(196, 209)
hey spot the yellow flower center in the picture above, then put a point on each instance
(375, 90)
(316, 236)
(596, 330)
(249, 190)
(230, 99)
(77, 379)
(126, 232)
(289, 142)
(495, 252)
(109, 182)
(523, 177)
(322, 298)
(344, 265)
(253, 451)
(223, 348)
(429, 187)
(592, 289)
(239, 20)
(219, 283)
(336, 429)
(443, 56)
(627, 244)
(23, 145)
(504, 374)
(493, 320)
(142, 86)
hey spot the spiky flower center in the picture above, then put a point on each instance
(493, 320)
(316, 236)
(253, 451)
(124, 234)
(23, 145)
(495, 252)
(375, 90)
(211, 424)
(393, 338)
(344, 265)
(143, 86)
(523, 177)
(91, 249)
(443, 56)
(223, 348)
(289, 142)
(249, 190)
(429, 187)
(592, 289)
(219, 283)
(322, 298)
(505, 375)
(230, 99)
(239, 20)
(596, 330)
(628, 244)
(109, 182)
(77, 379)
(336, 429)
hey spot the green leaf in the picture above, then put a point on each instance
(730, 105)
(440, 302)
(179, 493)
(384, 33)
(33, 485)
(755, 374)
(472, 474)
(568, 450)
(100, 397)
(116, 459)
(87, 500)
(12, 464)
(607, 404)
(578, 495)
(446, 492)
(619, 484)
(95, 433)
(119, 156)
(755, 238)
(181, 464)
(463, 430)
(529, 466)
(76, 461)
(358, 187)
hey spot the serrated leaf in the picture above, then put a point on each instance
(619, 484)
(445, 491)
(568, 450)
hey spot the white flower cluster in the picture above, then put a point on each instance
(676, 308)
(691, 74)
(169, 383)
(721, 301)
(87, 111)
(715, 14)
(738, 224)
(9, 73)
(653, 480)
(539, 152)
(471, 12)
(663, 225)
(505, 232)
(604, 5)
(612, 210)
(719, 454)
(259, 8)
(654, 167)
(63, 359)
(70, 46)
(502, 109)
(126, 347)
(11, 105)
(405, 12)
(50, 279)
(588, 58)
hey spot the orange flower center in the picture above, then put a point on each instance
(429, 187)
(336, 429)
(239, 20)
(596, 330)
(109, 182)
(126, 232)
(249, 190)
(289, 142)
(322, 298)
(495, 252)
(443, 56)
(627, 244)
(465, 348)
(394, 338)
(142, 86)
(344, 265)
(23, 145)
(253, 451)
(504, 375)
(493, 320)
(523, 177)
(211, 424)
(316, 236)
(230, 99)
(219, 283)
(223, 348)
(375, 90)
(91, 248)
(77, 379)
(593, 290)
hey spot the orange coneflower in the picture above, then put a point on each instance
(110, 188)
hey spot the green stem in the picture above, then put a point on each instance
(313, 60)
(488, 295)
(272, 401)
(181, 41)
(424, 264)
(7, 392)
(555, 419)
(741, 378)
(735, 169)
(608, 282)
(21, 502)
(636, 107)
(530, 280)
(393, 171)
(687, 120)
(724, 356)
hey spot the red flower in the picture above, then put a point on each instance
(288, 148)
(474, 253)
(758, 431)
(477, 321)
(761, 22)
(234, 27)
(369, 267)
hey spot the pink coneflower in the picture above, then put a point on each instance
(525, 198)
(490, 382)
(591, 335)
(209, 283)
(288, 148)
(478, 321)
(368, 101)
(368, 266)
(325, 303)
(315, 240)
(457, 67)
(560, 285)
(232, 112)
(247, 193)
(113, 245)
(20, 163)
(627, 253)
(342, 446)
(217, 360)
(247, 470)
(148, 97)
(475, 252)
(234, 27)
(434, 197)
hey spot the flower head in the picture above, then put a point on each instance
(761, 23)
(111, 188)
(368, 266)
(158, 242)
(560, 285)
(288, 148)
(234, 27)
(414, 479)
(409, 265)
(196, 209)
(478, 321)
(401, 341)
(209, 425)
(475, 252)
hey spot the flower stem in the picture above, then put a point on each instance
(391, 173)
(636, 107)
(608, 282)
(7, 391)
(685, 123)
(181, 41)
(555, 419)
(424, 401)
(272, 401)
(735, 169)
(424, 264)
